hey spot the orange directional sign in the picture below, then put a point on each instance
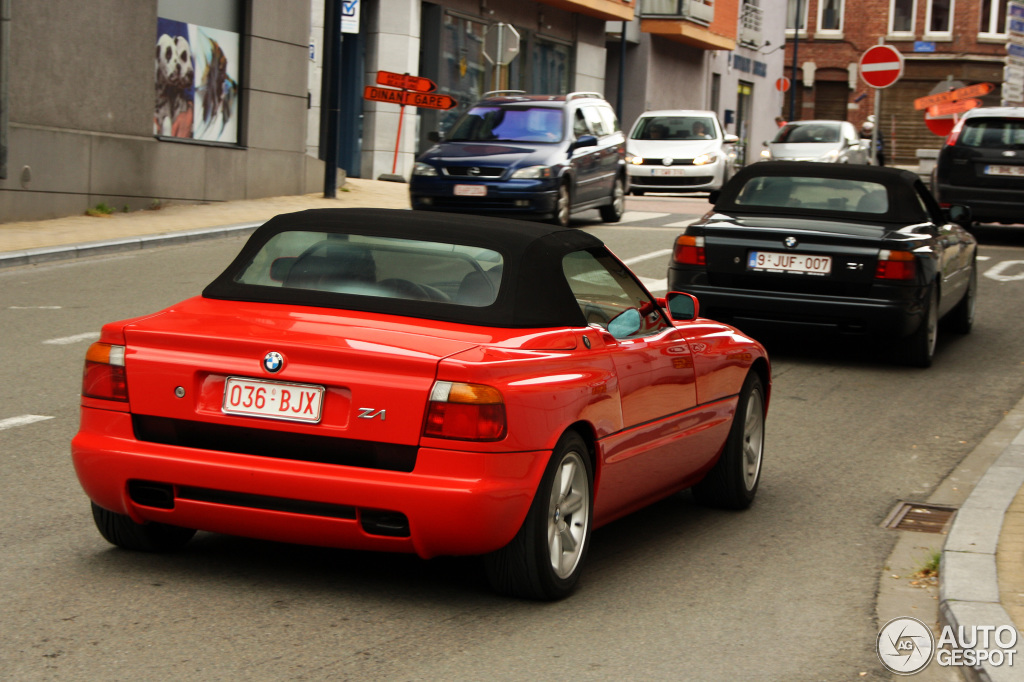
(405, 81)
(413, 99)
(957, 107)
(953, 95)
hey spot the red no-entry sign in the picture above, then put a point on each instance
(881, 66)
(782, 84)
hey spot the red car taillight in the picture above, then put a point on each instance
(689, 250)
(955, 133)
(465, 412)
(103, 376)
(901, 265)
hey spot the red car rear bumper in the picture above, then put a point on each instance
(456, 502)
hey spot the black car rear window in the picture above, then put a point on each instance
(518, 123)
(995, 133)
(364, 265)
(822, 194)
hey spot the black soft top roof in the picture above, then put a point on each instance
(902, 186)
(533, 290)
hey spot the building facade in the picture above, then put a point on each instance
(92, 117)
(945, 44)
(685, 54)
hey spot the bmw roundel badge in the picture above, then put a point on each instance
(273, 362)
(790, 242)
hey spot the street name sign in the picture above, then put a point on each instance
(881, 66)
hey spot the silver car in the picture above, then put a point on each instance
(679, 151)
(824, 141)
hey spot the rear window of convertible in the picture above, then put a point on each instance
(821, 194)
(376, 267)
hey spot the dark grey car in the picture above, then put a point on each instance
(982, 165)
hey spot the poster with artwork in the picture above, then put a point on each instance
(196, 80)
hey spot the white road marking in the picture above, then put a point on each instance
(655, 285)
(22, 420)
(647, 256)
(33, 307)
(633, 216)
(979, 257)
(67, 340)
(996, 271)
(682, 223)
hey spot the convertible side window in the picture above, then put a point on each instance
(604, 290)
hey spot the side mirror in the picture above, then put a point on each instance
(961, 215)
(280, 268)
(713, 196)
(682, 306)
(434, 136)
(732, 139)
(585, 141)
(764, 143)
(625, 324)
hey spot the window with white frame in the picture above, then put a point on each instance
(791, 15)
(939, 22)
(830, 16)
(901, 16)
(993, 18)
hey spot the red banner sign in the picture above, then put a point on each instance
(405, 81)
(412, 99)
(976, 90)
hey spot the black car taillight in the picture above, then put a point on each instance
(896, 265)
(104, 375)
(689, 250)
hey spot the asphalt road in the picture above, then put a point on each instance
(783, 591)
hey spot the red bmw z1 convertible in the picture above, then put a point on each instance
(426, 383)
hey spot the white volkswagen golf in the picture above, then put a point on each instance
(679, 151)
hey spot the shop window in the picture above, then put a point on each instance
(551, 67)
(198, 70)
(463, 71)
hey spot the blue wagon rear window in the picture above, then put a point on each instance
(382, 267)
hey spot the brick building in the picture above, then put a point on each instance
(944, 43)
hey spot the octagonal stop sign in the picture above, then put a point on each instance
(881, 66)
(501, 44)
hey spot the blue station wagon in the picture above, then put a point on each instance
(528, 156)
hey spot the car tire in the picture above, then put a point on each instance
(563, 206)
(544, 560)
(732, 483)
(961, 317)
(919, 347)
(121, 531)
(637, 192)
(612, 213)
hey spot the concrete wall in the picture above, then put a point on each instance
(81, 112)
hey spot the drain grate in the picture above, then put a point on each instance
(923, 518)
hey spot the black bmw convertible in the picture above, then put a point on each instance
(850, 249)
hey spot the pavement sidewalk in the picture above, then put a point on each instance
(27, 243)
(982, 567)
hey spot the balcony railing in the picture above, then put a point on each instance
(750, 24)
(702, 11)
